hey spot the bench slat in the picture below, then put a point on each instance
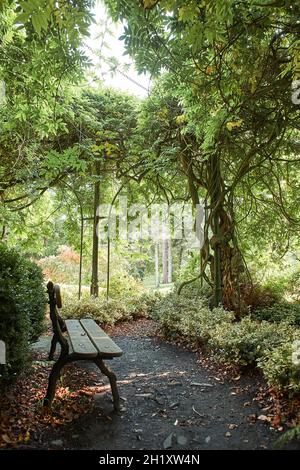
(79, 339)
(104, 344)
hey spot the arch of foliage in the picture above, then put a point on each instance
(230, 66)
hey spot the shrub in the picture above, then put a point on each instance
(189, 317)
(22, 306)
(108, 311)
(288, 436)
(294, 285)
(143, 305)
(201, 325)
(195, 290)
(284, 311)
(245, 341)
(281, 368)
(171, 310)
(250, 341)
(125, 286)
(256, 296)
(104, 312)
(35, 300)
(62, 268)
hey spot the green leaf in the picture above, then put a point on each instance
(36, 23)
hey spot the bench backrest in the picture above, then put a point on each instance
(58, 325)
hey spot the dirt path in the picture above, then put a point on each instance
(171, 402)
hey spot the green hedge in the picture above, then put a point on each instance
(108, 312)
(22, 307)
(129, 300)
(283, 311)
(246, 341)
(190, 318)
(251, 341)
(281, 366)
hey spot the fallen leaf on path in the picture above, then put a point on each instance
(276, 421)
(6, 438)
(232, 426)
(197, 412)
(264, 418)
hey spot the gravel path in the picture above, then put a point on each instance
(171, 402)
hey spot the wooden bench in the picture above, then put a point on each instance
(79, 340)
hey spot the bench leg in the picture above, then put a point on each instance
(53, 377)
(113, 382)
(54, 342)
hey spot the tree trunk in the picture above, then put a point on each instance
(215, 199)
(81, 252)
(4, 234)
(232, 267)
(95, 255)
(227, 263)
(220, 250)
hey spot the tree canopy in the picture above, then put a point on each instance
(220, 126)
